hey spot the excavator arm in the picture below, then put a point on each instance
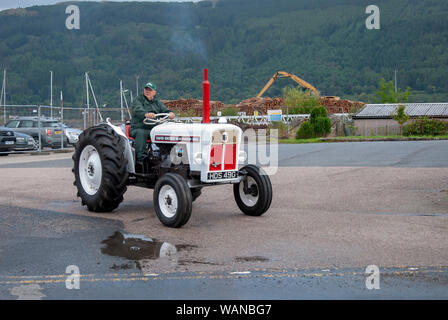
(283, 74)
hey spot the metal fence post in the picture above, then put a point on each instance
(62, 129)
(40, 131)
(84, 112)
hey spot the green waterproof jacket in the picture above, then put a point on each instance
(142, 106)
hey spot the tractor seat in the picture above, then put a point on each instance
(128, 133)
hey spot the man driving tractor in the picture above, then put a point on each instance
(147, 105)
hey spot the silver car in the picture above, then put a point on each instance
(71, 133)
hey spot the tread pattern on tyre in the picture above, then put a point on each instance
(110, 147)
(265, 192)
(184, 200)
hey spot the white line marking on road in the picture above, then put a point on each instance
(27, 292)
(240, 272)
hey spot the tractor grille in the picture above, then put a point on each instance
(223, 150)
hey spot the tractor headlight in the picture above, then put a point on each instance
(242, 156)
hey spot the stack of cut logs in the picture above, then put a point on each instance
(191, 106)
(336, 105)
(194, 107)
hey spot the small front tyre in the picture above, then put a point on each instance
(195, 193)
(253, 194)
(172, 200)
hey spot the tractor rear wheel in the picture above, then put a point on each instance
(100, 168)
(172, 200)
(255, 198)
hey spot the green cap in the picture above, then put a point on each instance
(151, 86)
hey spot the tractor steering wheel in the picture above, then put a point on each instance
(164, 118)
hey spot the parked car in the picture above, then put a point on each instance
(25, 142)
(72, 134)
(50, 130)
(7, 140)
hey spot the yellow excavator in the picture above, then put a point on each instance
(283, 74)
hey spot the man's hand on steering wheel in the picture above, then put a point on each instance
(151, 115)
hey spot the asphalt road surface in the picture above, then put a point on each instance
(337, 209)
(424, 154)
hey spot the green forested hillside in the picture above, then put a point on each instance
(242, 42)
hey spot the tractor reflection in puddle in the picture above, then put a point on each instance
(137, 247)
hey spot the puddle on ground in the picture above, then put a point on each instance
(188, 262)
(137, 247)
(251, 259)
(124, 266)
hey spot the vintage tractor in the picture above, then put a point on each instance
(182, 159)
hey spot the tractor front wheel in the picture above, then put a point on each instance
(253, 194)
(196, 192)
(172, 200)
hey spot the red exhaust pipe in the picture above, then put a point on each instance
(206, 98)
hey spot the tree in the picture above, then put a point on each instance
(401, 117)
(386, 93)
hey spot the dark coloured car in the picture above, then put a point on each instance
(25, 142)
(7, 140)
(51, 132)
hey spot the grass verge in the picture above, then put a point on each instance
(363, 138)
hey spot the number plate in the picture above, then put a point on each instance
(57, 132)
(222, 175)
(9, 142)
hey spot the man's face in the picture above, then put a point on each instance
(149, 93)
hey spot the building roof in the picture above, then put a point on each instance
(432, 110)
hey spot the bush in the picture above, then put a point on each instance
(319, 125)
(426, 127)
(298, 110)
(322, 126)
(188, 113)
(306, 131)
(280, 126)
(318, 112)
(321, 122)
(229, 111)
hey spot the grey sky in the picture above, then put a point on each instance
(8, 4)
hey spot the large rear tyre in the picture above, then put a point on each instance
(100, 168)
(172, 200)
(256, 198)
